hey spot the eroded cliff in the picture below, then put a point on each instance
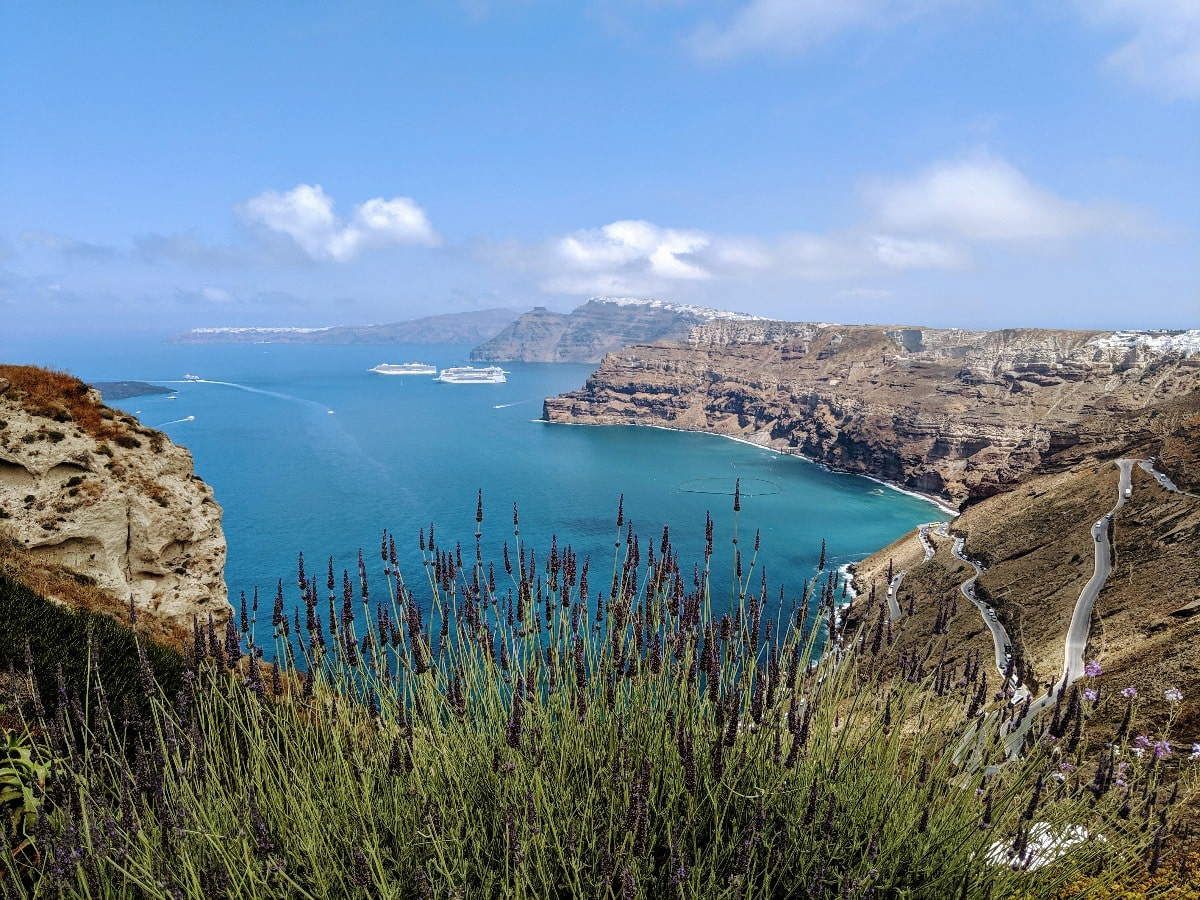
(89, 490)
(959, 414)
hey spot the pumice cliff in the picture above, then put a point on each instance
(89, 490)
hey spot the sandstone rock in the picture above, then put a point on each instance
(92, 490)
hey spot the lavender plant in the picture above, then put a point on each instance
(527, 727)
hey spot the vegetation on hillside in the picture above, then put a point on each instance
(62, 397)
(68, 647)
(532, 727)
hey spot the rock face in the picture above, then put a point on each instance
(90, 489)
(448, 328)
(600, 326)
(959, 414)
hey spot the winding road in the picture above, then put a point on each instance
(923, 537)
(893, 596)
(1164, 482)
(893, 591)
(1081, 616)
(1000, 640)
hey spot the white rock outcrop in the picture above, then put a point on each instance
(118, 504)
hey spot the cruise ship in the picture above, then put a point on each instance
(408, 368)
(472, 375)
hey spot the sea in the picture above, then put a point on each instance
(308, 451)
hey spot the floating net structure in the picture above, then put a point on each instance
(723, 484)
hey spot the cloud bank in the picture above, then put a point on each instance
(305, 215)
(1163, 51)
(932, 220)
(1161, 46)
(981, 199)
(794, 26)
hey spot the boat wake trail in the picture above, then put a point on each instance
(177, 421)
(253, 390)
(514, 403)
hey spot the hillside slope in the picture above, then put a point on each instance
(1036, 545)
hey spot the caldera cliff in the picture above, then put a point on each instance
(89, 493)
(959, 414)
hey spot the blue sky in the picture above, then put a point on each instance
(944, 162)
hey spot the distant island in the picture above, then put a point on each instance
(601, 325)
(122, 390)
(448, 328)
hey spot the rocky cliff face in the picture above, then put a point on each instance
(89, 489)
(960, 414)
(600, 326)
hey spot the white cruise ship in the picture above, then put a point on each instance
(408, 368)
(472, 375)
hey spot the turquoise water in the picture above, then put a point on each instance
(400, 452)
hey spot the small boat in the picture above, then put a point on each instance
(472, 375)
(190, 377)
(408, 368)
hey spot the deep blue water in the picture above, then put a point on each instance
(400, 452)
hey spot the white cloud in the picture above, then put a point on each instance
(933, 220)
(216, 295)
(68, 246)
(634, 247)
(633, 256)
(306, 215)
(899, 253)
(1163, 51)
(793, 26)
(983, 199)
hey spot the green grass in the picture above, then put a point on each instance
(511, 741)
(57, 640)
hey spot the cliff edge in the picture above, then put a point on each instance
(958, 414)
(89, 491)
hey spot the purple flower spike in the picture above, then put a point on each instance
(1173, 695)
(1129, 693)
(1090, 695)
(1092, 669)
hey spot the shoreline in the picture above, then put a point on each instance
(846, 571)
(931, 499)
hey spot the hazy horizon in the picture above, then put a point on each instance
(945, 162)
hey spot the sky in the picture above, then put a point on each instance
(975, 163)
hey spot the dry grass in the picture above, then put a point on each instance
(62, 397)
(77, 592)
